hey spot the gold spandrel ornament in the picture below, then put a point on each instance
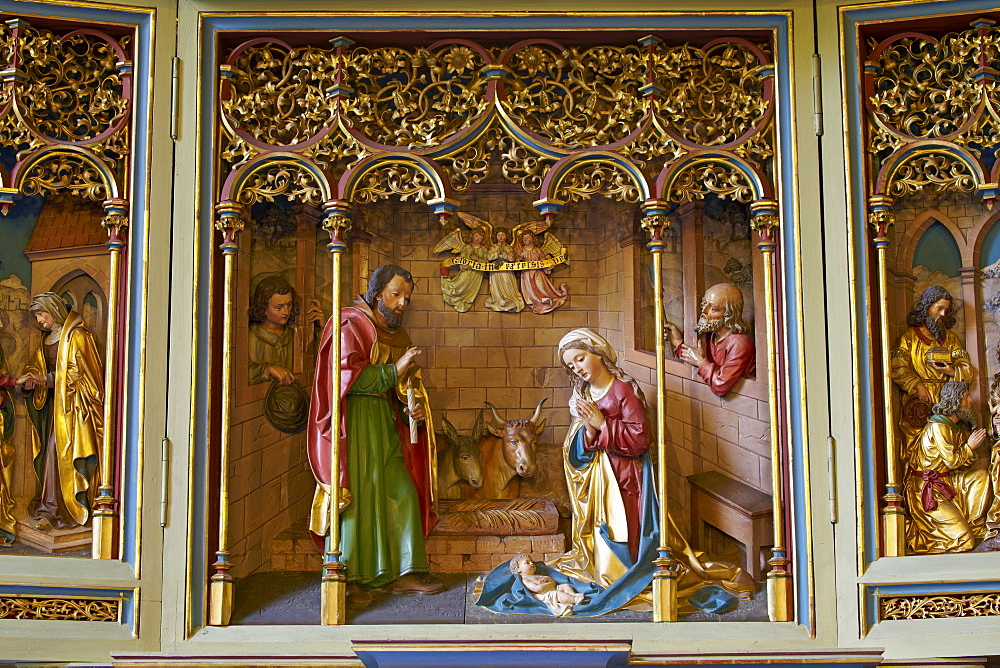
(598, 179)
(66, 171)
(336, 152)
(577, 98)
(394, 179)
(521, 165)
(652, 151)
(937, 172)
(939, 606)
(700, 179)
(282, 180)
(73, 609)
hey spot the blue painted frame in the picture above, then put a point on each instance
(780, 23)
(143, 20)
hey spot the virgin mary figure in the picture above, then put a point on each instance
(609, 474)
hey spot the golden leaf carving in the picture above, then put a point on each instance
(280, 96)
(388, 180)
(710, 97)
(698, 179)
(937, 172)
(285, 180)
(577, 98)
(414, 98)
(598, 179)
(76, 609)
(66, 171)
(941, 605)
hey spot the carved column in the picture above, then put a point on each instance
(975, 342)
(881, 218)
(665, 577)
(230, 221)
(333, 591)
(780, 600)
(104, 544)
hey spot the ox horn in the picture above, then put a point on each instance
(538, 410)
(500, 420)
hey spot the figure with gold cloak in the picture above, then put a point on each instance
(609, 473)
(947, 497)
(64, 391)
(460, 291)
(8, 525)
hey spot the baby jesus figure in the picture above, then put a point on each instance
(560, 599)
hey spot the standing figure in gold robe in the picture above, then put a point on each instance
(64, 391)
(946, 497)
(8, 525)
(925, 357)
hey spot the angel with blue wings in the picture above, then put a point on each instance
(538, 290)
(461, 290)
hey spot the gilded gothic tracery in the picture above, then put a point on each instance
(635, 122)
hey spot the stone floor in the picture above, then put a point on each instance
(293, 597)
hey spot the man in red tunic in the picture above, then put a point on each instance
(385, 480)
(725, 352)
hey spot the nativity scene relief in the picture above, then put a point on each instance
(558, 341)
(933, 232)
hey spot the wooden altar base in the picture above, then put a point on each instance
(50, 541)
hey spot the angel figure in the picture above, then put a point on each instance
(460, 290)
(504, 294)
(538, 290)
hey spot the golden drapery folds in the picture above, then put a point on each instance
(72, 417)
(596, 502)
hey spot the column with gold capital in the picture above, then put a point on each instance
(105, 534)
(780, 600)
(881, 218)
(230, 221)
(333, 591)
(654, 222)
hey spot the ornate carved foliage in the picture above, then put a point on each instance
(937, 606)
(72, 93)
(930, 101)
(75, 609)
(465, 108)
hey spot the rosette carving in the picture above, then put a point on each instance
(416, 98)
(576, 98)
(713, 96)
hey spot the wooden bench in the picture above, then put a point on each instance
(737, 510)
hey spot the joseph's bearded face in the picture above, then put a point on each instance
(393, 300)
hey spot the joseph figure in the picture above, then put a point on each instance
(385, 480)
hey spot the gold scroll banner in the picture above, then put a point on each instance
(506, 266)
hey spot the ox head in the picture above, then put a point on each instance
(468, 457)
(519, 439)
